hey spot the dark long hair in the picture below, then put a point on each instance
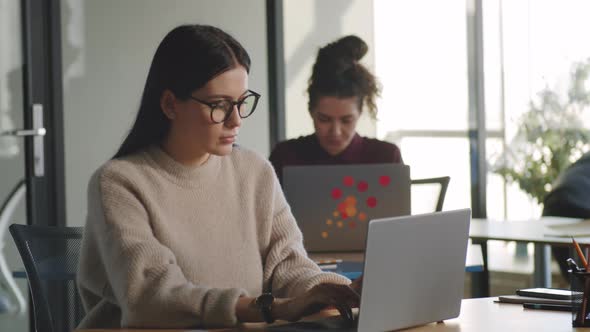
(338, 73)
(186, 59)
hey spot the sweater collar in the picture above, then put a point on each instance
(349, 154)
(183, 174)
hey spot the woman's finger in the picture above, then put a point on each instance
(342, 289)
(341, 294)
(344, 311)
(342, 297)
(353, 303)
(349, 311)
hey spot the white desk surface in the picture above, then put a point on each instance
(534, 231)
(483, 315)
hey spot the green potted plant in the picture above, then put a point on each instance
(550, 136)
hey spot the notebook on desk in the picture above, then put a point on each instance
(333, 204)
(413, 273)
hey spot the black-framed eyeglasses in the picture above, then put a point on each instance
(221, 110)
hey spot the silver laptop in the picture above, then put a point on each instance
(333, 204)
(413, 274)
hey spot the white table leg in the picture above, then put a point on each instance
(542, 269)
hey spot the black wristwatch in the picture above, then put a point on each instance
(264, 304)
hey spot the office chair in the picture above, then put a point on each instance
(50, 256)
(442, 181)
(6, 211)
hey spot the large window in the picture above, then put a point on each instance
(528, 46)
(421, 60)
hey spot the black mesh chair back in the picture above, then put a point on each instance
(50, 256)
(443, 181)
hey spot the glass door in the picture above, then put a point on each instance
(31, 170)
(30, 107)
(13, 293)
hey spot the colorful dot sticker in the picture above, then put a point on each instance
(348, 181)
(362, 186)
(362, 216)
(342, 207)
(350, 200)
(336, 193)
(372, 202)
(348, 213)
(351, 211)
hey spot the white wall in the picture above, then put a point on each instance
(107, 48)
(309, 25)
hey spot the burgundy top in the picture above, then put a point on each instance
(306, 150)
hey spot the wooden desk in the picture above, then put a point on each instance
(480, 315)
(534, 231)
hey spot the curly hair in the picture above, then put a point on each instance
(337, 72)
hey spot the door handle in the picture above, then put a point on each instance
(37, 134)
(25, 132)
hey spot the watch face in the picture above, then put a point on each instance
(265, 300)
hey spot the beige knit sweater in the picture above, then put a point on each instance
(170, 246)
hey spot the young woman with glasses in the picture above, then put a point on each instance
(339, 88)
(186, 229)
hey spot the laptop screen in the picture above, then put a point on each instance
(333, 204)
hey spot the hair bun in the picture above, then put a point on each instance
(346, 49)
(338, 72)
(352, 47)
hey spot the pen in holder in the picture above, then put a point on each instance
(580, 287)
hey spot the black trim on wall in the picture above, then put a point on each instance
(55, 145)
(477, 133)
(477, 118)
(33, 92)
(42, 84)
(276, 71)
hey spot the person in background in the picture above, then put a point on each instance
(569, 197)
(339, 89)
(186, 229)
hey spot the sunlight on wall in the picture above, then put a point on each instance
(421, 59)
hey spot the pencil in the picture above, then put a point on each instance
(581, 254)
(585, 300)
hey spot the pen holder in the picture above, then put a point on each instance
(580, 287)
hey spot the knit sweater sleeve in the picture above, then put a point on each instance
(147, 283)
(290, 270)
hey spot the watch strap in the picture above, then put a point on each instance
(264, 303)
